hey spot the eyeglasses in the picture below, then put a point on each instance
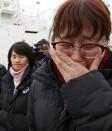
(89, 50)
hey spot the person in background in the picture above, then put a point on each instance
(15, 86)
(41, 52)
(73, 90)
(2, 70)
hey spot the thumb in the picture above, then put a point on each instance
(95, 64)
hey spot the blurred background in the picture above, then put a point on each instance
(28, 20)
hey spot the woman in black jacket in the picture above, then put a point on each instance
(73, 91)
(15, 88)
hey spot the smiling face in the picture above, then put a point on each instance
(18, 61)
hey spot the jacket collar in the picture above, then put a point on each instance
(8, 77)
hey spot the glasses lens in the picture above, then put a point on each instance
(91, 51)
(87, 50)
(64, 46)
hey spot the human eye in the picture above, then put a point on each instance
(89, 46)
(66, 45)
(21, 56)
(13, 56)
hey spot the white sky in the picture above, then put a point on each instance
(44, 4)
(44, 10)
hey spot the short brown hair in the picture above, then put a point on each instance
(72, 14)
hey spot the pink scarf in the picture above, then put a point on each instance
(17, 75)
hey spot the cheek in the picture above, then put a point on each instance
(25, 62)
(12, 60)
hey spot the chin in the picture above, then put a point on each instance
(17, 69)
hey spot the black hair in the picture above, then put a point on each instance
(21, 48)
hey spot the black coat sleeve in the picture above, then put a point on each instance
(89, 102)
(2, 70)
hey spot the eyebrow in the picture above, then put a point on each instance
(89, 38)
(82, 38)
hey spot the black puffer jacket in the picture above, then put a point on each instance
(88, 99)
(13, 107)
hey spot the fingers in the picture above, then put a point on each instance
(55, 58)
(65, 58)
(60, 56)
(60, 60)
(95, 64)
(62, 66)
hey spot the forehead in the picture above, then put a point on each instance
(14, 53)
(86, 33)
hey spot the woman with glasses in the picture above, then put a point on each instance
(73, 90)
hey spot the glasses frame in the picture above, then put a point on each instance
(101, 46)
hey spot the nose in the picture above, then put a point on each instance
(76, 55)
(17, 60)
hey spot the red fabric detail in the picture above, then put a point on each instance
(105, 59)
(58, 74)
